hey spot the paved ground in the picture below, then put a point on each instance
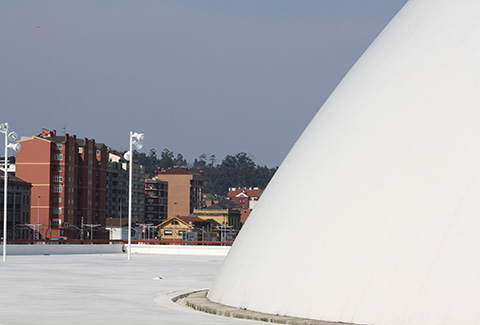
(105, 289)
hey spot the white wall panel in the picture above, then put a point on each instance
(382, 221)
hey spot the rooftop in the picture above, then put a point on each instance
(12, 179)
(105, 289)
(178, 171)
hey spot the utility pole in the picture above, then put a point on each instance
(174, 219)
(81, 231)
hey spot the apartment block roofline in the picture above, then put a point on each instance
(52, 136)
(178, 170)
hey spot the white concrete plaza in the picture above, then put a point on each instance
(105, 289)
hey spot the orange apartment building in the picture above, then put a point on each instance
(185, 190)
(68, 177)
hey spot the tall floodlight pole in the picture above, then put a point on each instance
(5, 186)
(136, 139)
(12, 136)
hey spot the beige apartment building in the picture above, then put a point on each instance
(185, 190)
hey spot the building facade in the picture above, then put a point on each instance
(185, 228)
(185, 190)
(18, 208)
(122, 191)
(156, 201)
(117, 187)
(68, 177)
(227, 221)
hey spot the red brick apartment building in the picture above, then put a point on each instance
(69, 175)
(185, 189)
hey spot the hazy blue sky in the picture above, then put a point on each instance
(216, 77)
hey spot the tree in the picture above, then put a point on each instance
(180, 161)
(200, 164)
(234, 171)
(150, 162)
(213, 160)
(166, 159)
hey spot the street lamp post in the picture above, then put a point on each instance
(136, 139)
(12, 136)
(174, 219)
(37, 235)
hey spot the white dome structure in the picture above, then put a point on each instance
(374, 216)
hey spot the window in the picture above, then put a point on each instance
(56, 221)
(167, 232)
(56, 189)
(58, 156)
(80, 150)
(57, 168)
(57, 178)
(57, 210)
(58, 146)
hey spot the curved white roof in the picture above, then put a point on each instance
(374, 216)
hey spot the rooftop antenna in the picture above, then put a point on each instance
(65, 129)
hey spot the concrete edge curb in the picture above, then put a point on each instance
(198, 300)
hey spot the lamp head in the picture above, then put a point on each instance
(4, 127)
(127, 155)
(14, 146)
(137, 140)
(12, 136)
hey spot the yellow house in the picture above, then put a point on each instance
(224, 217)
(174, 228)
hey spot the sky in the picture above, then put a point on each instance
(196, 76)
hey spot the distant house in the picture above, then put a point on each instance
(225, 216)
(209, 200)
(247, 198)
(185, 228)
(244, 214)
